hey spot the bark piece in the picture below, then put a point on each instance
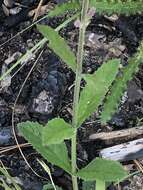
(124, 152)
(118, 136)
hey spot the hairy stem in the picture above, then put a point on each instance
(100, 185)
(83, 25)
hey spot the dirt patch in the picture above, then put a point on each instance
(49, 92)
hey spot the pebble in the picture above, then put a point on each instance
(6, 82)
(5, 136)
(15, 10)
(43, 103)
(30, 44)
(13, 58)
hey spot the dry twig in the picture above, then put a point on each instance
(140, 167)
(37, 10)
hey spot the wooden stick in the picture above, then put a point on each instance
(127, 151)
(139, 165)
(37, 10)
(118, 136)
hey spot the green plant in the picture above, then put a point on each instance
(120, 84)
(105, 85)
(4, 174)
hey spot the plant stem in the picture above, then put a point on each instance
(100, 185)
(80, 52)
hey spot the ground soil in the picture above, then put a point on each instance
(104, 40)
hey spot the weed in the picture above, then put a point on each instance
(104, 87)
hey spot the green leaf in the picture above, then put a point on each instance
(102, 169)
(58, 45)
(61, 9)
(56, 154)
(120, 7)
(120, 85)
(56, 131)
(96, 88)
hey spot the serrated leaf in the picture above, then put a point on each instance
(56, 154)
(56, 131)
(102, 169)
(120, 84)
(58, 45)
(119, 7)
(96, 88)
(61, 9)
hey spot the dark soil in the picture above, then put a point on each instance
(52, 80)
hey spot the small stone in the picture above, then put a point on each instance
(91, 12)
(15, 10)
(13, 58)
(43, 103)
(30, 44)
(5, 136)
(77, 23)
(94, 40)
(6, 82)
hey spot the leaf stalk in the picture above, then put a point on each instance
(80, 53)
